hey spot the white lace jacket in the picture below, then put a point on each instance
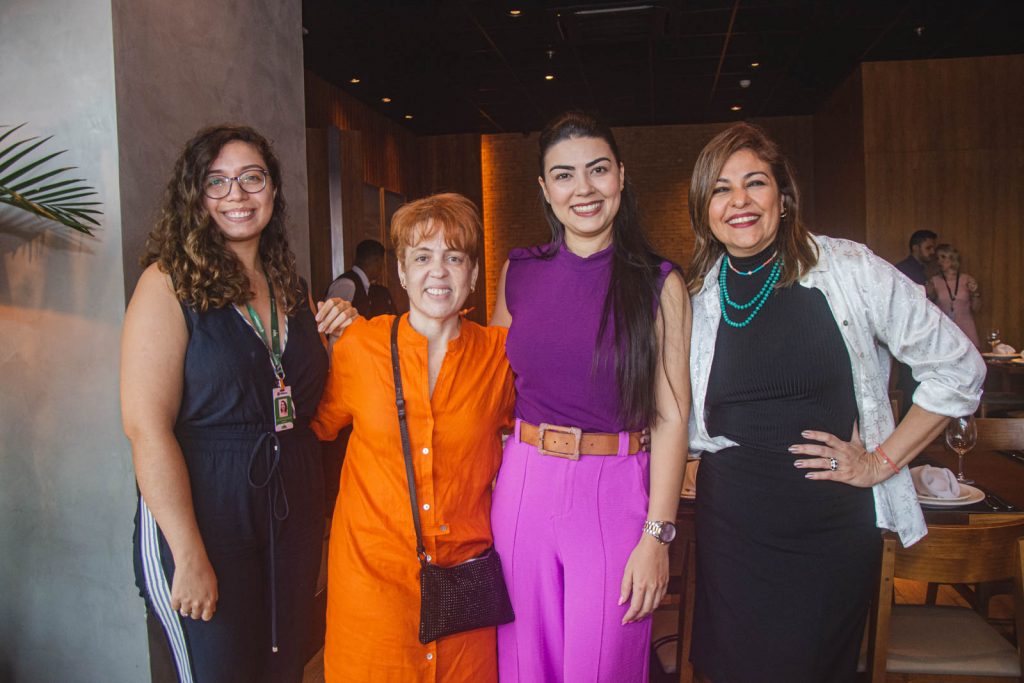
(879, 311)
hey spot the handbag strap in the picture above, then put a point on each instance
(403, 427)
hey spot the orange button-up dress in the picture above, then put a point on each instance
(373, 595)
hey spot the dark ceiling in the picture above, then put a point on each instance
(460, 66)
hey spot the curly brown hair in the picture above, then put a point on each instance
(187, 245)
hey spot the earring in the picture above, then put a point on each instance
(783, 214)
(402, 282)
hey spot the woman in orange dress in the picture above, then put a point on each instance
(459, 396)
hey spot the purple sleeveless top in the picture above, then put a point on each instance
(556, 306)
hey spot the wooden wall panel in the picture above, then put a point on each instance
(319, 211)
(839, 162)
(390, 158)
(944, 150)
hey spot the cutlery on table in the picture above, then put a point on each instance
(1008, 507)
(1014, 455)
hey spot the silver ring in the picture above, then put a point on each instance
(183, 612)
(833, 464)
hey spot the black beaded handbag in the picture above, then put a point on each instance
(469, 595)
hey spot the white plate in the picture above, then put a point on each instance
(968, 496)
(1001, 356)
(964, 495)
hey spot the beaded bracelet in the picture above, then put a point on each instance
(890, 463)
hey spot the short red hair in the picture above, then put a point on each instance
(454, 215)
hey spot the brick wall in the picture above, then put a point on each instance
(658, 159)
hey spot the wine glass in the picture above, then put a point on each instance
(961, 435)
(993, 338)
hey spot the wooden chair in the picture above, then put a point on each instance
(999, 401)
(920, 642)
(1000, 433)
(896, 403)
(673, 651)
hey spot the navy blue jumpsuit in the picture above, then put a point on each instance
(258, 498)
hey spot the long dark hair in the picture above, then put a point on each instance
(632, 296)
(187, 245)
(797, 249)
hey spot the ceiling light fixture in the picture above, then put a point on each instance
(353, 80)
(735, 107)
(744, 82)
(385, 100)
(408, 117)
(613, 10)
(755, 64)
(515, 12)
(549, 77)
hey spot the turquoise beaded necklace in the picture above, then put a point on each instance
(759, 299)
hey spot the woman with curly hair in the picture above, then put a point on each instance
(222, 366)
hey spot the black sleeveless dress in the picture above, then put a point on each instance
(785, 564)
(258, 500)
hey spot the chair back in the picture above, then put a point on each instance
(961, 553)
(1000, 433)
(968, 553)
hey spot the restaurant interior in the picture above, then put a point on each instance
(899, 116)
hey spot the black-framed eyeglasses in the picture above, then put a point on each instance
(219, 186)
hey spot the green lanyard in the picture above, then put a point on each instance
(275, 336)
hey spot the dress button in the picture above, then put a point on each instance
(429, 558)
(426, 506)
(430, 655)
(846, 323)
(425, 451)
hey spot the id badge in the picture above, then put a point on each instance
(284, 409)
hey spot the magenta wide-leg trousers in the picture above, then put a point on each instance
(564, 530)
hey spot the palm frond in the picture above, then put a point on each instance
(44, 193)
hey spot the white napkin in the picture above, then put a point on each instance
(937, 482)
(1004, 350)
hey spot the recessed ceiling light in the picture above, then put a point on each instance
(385, 100)
(353, 80)
(408, 117)
(515, 12)
(735, 107)
(549, 77)
(755, 64)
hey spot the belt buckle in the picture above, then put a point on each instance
(575, 432)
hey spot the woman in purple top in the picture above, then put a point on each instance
(598, 339)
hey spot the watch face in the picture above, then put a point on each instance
(668, 532)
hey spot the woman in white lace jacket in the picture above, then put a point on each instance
(809, 325)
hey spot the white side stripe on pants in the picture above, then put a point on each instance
(160, 593)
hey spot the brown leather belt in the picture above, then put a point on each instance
(570, 442)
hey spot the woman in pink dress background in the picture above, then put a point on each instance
(956, 293)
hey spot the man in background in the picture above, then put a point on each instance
(361, 285)
(919, 266)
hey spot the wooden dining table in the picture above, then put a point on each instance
(1004, 375)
